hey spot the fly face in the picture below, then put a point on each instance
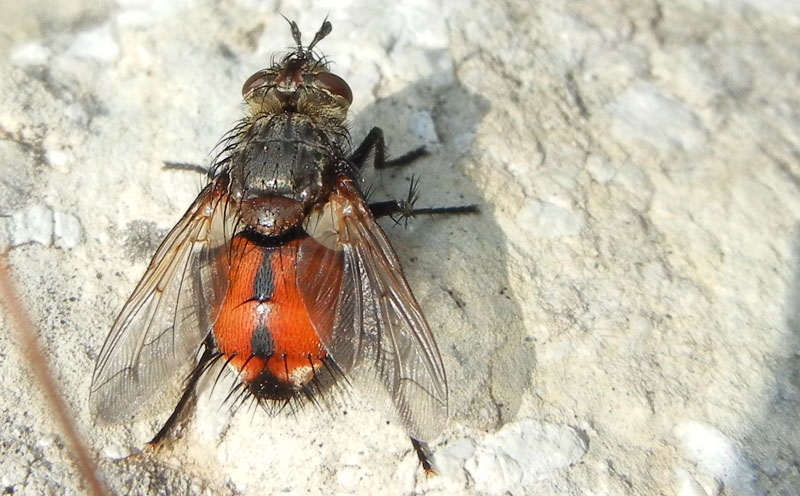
(300, 83)
(280, 270)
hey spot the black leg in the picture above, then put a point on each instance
(209, 356)
(421, 449)
(185, 166)
(405, 159)
(405, 208)
(374, 141)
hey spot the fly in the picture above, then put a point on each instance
(280, 270)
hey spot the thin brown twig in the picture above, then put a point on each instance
(35, 359)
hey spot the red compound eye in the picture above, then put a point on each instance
(334, 84)
(253, 82)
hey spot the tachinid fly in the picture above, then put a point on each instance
(280, 270)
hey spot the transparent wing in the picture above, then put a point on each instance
(170, 312)
(378, 328)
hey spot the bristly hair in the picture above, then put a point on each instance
(411, 199)
(228, 144)
(328, 382)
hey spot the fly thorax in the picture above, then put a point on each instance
(271, 215)
(274, 191)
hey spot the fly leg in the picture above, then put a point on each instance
(398, 210)
(421, 449)
(187, 167)
(374, 142)
(402, 210)
(188, 396)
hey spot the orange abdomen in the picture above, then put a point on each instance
(263, 328)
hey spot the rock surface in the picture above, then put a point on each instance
(622, 318)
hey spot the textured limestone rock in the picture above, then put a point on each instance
(622, 318)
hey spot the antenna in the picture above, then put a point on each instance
(324, 31)
(296, 32)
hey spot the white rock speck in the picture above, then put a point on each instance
(522, 453)
(541, 219)
(96, 44)
(716, 455)
(33, 53)
(647, 114)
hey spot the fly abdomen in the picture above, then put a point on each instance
(263, 282)
(263, 329)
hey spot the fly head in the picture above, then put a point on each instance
(301, 83)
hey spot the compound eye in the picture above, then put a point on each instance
(334, 84)
(254, 81)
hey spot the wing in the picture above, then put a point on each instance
(170, 312)
(377, 328)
